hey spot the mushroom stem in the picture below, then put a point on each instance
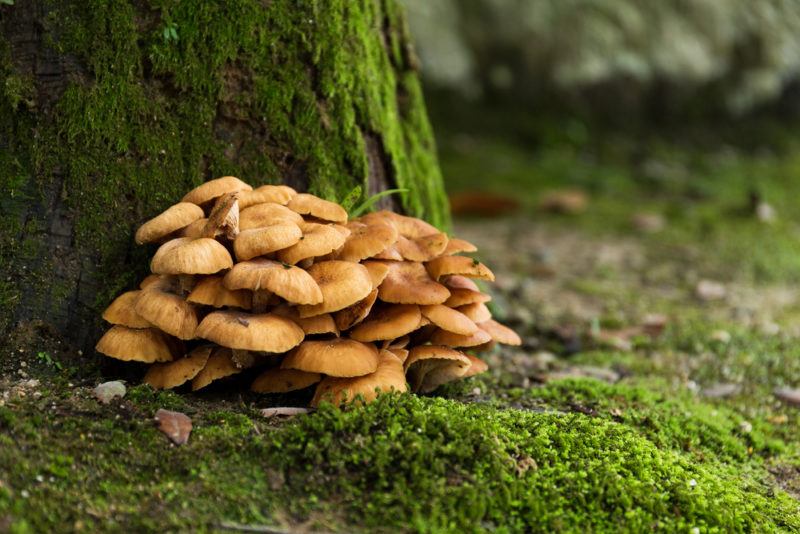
(185, 284)
(243, 359)
(261, 299)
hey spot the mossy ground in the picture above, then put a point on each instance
(515, 450)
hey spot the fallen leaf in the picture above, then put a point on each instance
(176, 425)
(482, 203)
(108, 391)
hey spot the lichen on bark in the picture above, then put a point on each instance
(111, 109)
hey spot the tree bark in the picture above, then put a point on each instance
(110, 110)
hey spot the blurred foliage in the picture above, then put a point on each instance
(621, 58)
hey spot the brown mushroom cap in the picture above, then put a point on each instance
(423, 248)
(409, 283)
(317, 240)
(443, 337)
(194, 230)
(139, 344)
(175, 373)
(306, 204)
(244, 331)
(278, 380)
(409, 227)
(390, 253)
(259, 241)
(335, 357)
(461, 265)
(429, 366)
(387, 378)
(478, 312)
(343, 283)
(172, 219)
(149, 279)
(458, 246)
(352, 315)
(390, 322)
(367, 240)
(167, 311)
(122, 311)
(215, 188)
(500, 333)
(460, 282)
(267, 214)
(210, 291)
(185, 255)
(477, 366)
(378, 271)
(461, 297)
(449, 319)
(400, 352)
(218, 365)
(276, 194)
(318, 324)
(287, 281)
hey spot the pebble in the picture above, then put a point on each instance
(710, 290)
(718, 391)
(723, 336)
(788, 395)
(108, 391)
(746, 427)
(176, 425)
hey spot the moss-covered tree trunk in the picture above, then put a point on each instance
(111, 109)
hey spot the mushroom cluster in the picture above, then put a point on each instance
(283, 284)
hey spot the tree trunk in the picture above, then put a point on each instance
(110, 110)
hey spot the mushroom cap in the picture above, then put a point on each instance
(458, 246)
(377, 272)
(460, 282)
(122, 311)
(461, 297)
(177, 372)
(318, 324)
(400, 352)
(317, 240)
(244, 331)
(500, 333)
(149, 279)
(306, 204)
(410, 283)
(430, 366)
(277, 380)
(388, 377)
(139, 344)
(170, 220)
(423, 248)
(399, 343)
(277, 194)
(195, 229)
(477, 311)
(461, 265)
(259, 241)
(367, 240)
(218, 365)
(287, 281)
(212, 189)
(343, 283)
(267, 214)
(224, 217)
(185, 255)
(410, 227)
(334, 357)
(167, 311)
(390, 253)
(390, 322)
(450, 339)
(352, 315)
(477, 366)
(210, 291)
(449, 319)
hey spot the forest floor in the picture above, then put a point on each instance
(654, 389)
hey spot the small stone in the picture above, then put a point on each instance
(176, 425)
(283, 411)
(476, 391)
(710, 290)
(108, 391)
(746, 427)
(788, 395)
(765, 212)
(718, 391)
(722, 336)
(692, 483)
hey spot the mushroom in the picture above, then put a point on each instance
(224, 217)
(122, 311)
(352, 315)
(461, 265)
(388, 377)
(477, 311)
(277, 194)
(175, 373)
(186, 256)
(409, 283)
(342, 284)
(265, 215)
(367, 240)
(334, 357)
(449, 319)
(219, 364)
(390, 322)
(377, 272)
(429, 366)
(210, 291)
(460, 282)
(500, 333)
(256, 332)
(460, 296)
(476, 367)
(458, 246)
(423, 248)
(264, 240)
(139, 344)
(318, 324)
(306, 204)
(317, 240)
(171, 220)
(161, 307)
(194, 230)
(287, 281)
(277, 380)
(409, 227)
(204, 193)
(443, 337)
